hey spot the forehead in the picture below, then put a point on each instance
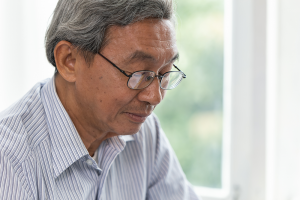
(151, 36)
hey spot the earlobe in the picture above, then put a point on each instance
(65, 59)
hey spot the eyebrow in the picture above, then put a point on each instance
(141, 56)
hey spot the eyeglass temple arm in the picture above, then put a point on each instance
(184, 76)
(114, 65)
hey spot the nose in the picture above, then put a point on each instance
(152, 94)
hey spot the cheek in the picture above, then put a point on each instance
(103, 91)
(89, 91)
(114, 100)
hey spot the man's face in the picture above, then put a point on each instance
(101, 93)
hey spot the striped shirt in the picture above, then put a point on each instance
(43, 157)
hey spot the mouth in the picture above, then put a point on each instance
(137, 117)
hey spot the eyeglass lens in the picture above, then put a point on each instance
(142, 79)
(170, 80)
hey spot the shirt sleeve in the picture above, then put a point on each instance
(10, 186)
(167, 181)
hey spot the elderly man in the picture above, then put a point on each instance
(88, 133)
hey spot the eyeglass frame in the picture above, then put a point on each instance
(129, 76)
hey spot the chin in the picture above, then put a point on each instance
(130, 130)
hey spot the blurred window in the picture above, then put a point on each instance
(192, 114)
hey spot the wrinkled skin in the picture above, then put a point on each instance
(96, 96)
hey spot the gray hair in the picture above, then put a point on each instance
(84, 23)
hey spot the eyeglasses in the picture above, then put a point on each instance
(141, 79)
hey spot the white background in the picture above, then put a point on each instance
(23, 62)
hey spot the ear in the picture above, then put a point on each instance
(65, 59)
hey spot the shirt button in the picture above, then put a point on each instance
(89, 162)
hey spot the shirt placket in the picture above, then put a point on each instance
(113, 148)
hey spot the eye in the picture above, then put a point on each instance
(148, 78)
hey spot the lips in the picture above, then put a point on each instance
(137, 117)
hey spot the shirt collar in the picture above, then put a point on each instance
(127, 138)
(67, 146)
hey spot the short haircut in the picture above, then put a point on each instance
(84, 23)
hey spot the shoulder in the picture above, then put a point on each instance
(20, 125)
